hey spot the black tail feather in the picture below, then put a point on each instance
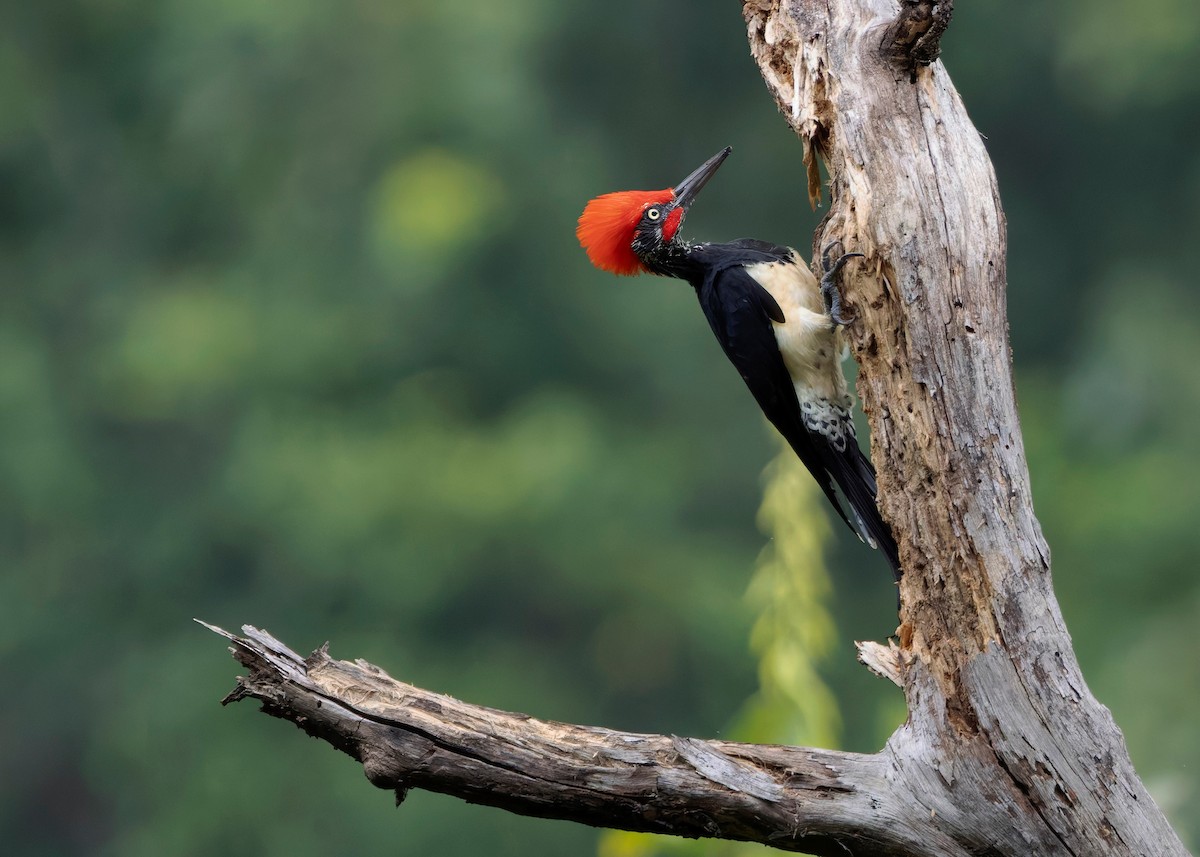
(854, 474)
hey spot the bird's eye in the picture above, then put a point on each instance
(653, 213)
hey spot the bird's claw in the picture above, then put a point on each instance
(830, 293)
(827, 254)
(836, 316)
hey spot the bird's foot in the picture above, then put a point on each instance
(831, 295)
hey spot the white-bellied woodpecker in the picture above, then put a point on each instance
(779, 326)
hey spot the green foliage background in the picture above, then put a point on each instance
(294, 331)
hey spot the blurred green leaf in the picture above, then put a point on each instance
(429, 206)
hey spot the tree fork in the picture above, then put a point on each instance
(1005, 751)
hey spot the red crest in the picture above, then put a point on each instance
(608, 225)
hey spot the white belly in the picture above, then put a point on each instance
(809, 341)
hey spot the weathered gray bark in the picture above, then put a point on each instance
(1002, 726)
(1005, 751)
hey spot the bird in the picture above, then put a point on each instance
(778, 325)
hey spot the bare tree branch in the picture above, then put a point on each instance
(795, 799)
(1005, 751)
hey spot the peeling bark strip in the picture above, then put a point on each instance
(1005, 751)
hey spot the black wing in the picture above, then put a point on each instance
(740, 312)
(776, 252)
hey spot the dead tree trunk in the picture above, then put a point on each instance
(1005, 751)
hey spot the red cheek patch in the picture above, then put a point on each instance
(671, 224)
